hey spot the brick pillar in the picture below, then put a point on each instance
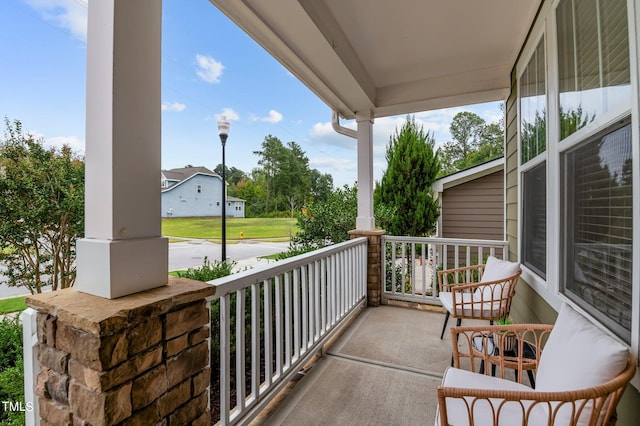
(138, 359)
(374, 264)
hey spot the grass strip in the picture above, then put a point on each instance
(12, 304)
(271, 229)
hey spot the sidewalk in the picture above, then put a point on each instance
(251, 262)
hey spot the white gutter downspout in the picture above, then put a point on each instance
(364, 136)
(335, 122)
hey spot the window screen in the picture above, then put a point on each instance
(534, 219)
(597, 225)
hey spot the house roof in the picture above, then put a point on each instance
(391, 58)
(184, 173)
(468, 174)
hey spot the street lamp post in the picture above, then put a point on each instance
(223, 130)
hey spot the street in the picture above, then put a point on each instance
(187, 254)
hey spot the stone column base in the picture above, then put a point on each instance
(139, 359)
(374, 264)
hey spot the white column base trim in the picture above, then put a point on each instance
(365, 223)
(116, 268)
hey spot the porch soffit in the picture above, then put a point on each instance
(391, 57)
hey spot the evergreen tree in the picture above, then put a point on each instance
(405, 188)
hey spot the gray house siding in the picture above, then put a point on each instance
(475, 209)
(198, 196)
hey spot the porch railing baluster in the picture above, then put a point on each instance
(305, 301)
(421, 272)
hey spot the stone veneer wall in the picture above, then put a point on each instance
(141, 359)
(374, 264)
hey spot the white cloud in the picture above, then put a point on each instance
(273, 117)
(70, 15)
(209, 70)
(176, 106)
(323, 134)
(228, 113)
(73, 142)
(332, 163)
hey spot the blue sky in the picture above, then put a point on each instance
(209, 68)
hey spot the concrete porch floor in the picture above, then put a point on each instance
(383, 370)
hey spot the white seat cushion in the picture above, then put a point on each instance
(511, 413)
(478, 309)
(578, 355)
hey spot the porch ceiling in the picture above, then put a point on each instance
(391, 57)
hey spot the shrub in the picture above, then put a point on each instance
(11, 370)
(10, 342)
(208, 271)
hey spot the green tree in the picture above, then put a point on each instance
(292, 178)
(321, 185)
(412, 167)
(328, 222)
(270, 158)
(286, 174)
(474, 142)
(41, 211)
(232, 176)
(253, 194)
(466, 129)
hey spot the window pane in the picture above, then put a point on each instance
(534, 219)
(532, 106)
(597, 214)
(593, 60)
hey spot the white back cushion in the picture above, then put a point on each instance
(578, 355)
(496, 269)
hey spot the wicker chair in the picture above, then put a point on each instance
(478, 291)
(580, 376)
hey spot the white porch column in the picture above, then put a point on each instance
(123, 251)
(365, 220)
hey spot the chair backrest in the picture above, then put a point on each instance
(498, 293)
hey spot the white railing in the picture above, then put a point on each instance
(290, 309)
(410, 264)
(31, 365)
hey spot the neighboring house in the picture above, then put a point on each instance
(472, 202)
(195, 192)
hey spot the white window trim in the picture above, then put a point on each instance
(549, 289)
(531, 277)
(634, 52)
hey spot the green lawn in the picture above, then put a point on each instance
(272, 229)
(13, 304)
